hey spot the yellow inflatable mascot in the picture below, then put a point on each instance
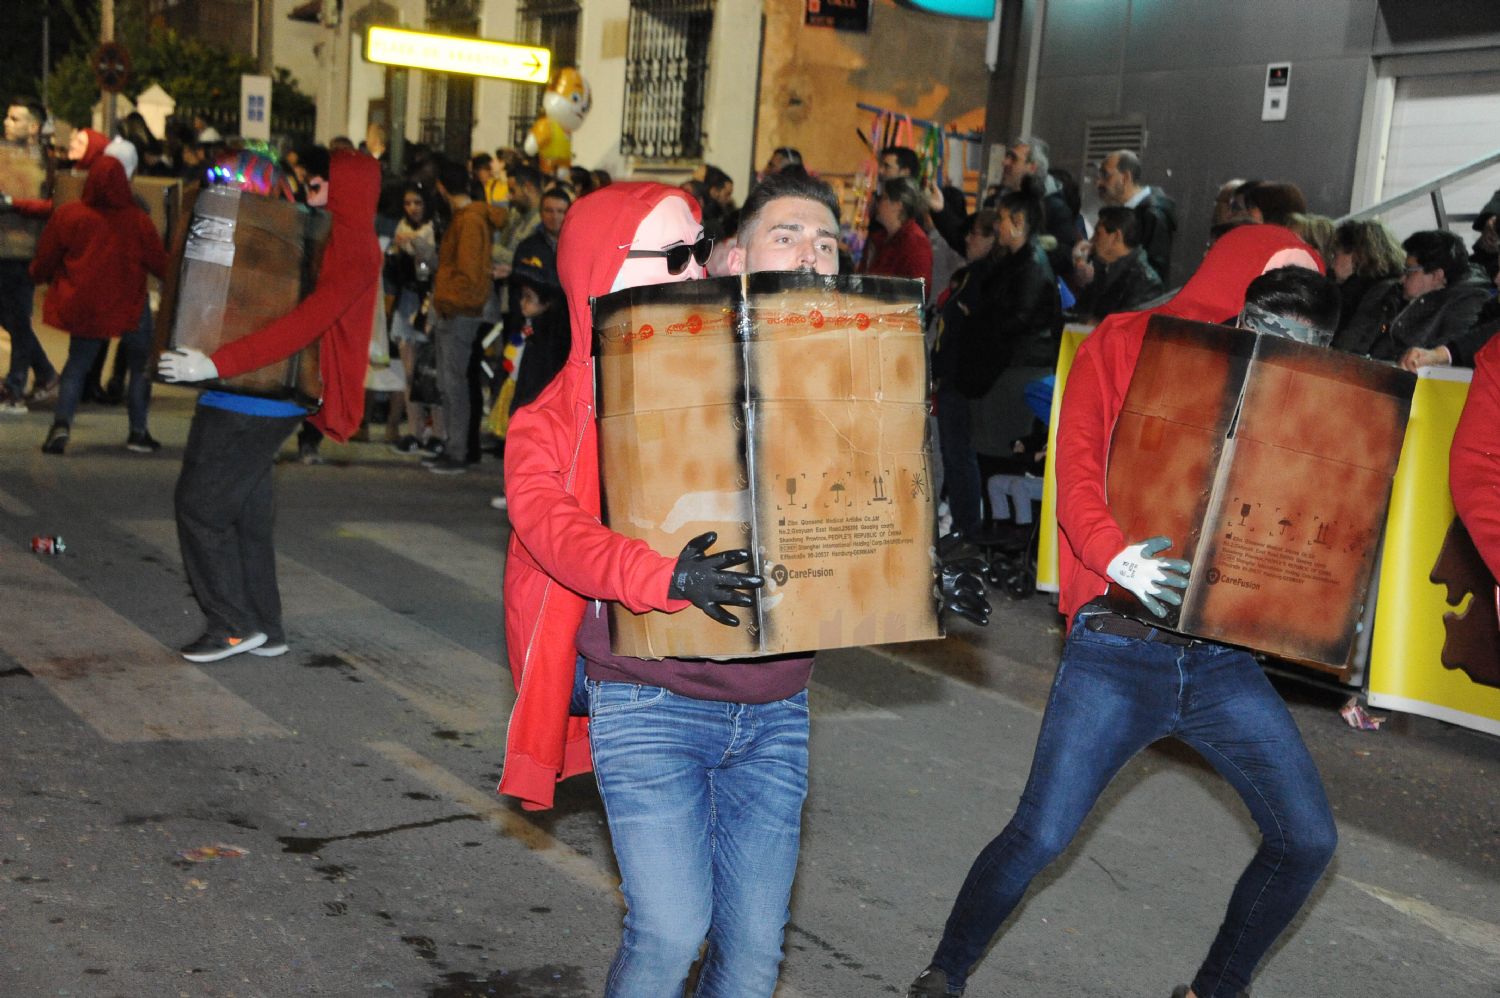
(565, 105)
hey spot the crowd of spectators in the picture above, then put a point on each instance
(472, 293)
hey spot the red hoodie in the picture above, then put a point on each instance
(341, 308)
(95, 253)
(560, 555)
(1474, 462)
(94, 148)
(1096, 388)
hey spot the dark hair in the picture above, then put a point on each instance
(788, 183)
(1118, 218)
(557, 194)
(341, 142)
(602, 179)
(34, 107)
(455, 178)
(906, 159)
(1439, 249)
(1067, 185)
(1127, 163)
(479, 161)
(1026, 201)
(1275, 201)
(581, 179)
(984, 221)
(315, 160)
(905, 192)
(526, 176)
(715, 177)
(792, 156)
(1372, 244)
(1297, 293)
(421, 192)
(695, 190)
(729, 224)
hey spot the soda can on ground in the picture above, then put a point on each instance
(42, 544)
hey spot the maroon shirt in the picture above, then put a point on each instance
(747, 680)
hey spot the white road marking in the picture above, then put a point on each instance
(444, 552)
(118, 679)
(446, 681)
(1471, 932)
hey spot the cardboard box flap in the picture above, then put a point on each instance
(1280, 509)
(773, 410)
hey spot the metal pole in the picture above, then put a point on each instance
(46, 54)
(107, 34)
(396, 127)
(265, 37)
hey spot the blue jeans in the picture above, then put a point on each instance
(136, 345)
(704, 801)
(1113, 696)
(17, 296)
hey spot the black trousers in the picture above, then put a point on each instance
(226, 512)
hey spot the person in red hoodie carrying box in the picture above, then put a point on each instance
(701, 765)
(95, 253)
(224, 500)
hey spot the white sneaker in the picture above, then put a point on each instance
(269, 650)
(497, 503)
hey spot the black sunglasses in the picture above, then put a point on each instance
(677, 256)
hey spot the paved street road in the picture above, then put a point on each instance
(326, 823)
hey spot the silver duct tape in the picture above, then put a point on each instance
(210, 240)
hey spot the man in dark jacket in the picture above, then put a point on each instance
(1123, 278)
(1027, 156)
(1428, 315)
(1120, 183)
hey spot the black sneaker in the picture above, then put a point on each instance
(141, 442)
(407, 445)
(10, 405)
(932, 983)
(212, 647)
(57, 439)
(432, 449)
(446, 466)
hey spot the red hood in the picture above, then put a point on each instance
(96, 143)
(1216, 291)
(595, 237)
(353, 190)
(106, 187)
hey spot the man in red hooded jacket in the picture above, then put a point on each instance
(95, 253)
(702, 766)
(1122, 685)
(225, 506)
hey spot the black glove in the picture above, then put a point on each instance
(701, 579)
(964, 593)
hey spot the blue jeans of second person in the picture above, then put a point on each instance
(1113, 696)
(82, 350)
(136, 345)
(704, 801)
(17, 298)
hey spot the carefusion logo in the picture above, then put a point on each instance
(1216, 577)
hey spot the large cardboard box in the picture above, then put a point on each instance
(239, 261)
(787, 412)
(23, 174)
(162, 197)
(1269, 464)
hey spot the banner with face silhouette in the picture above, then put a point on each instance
(1436, 645)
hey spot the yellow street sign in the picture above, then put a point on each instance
(452, 54)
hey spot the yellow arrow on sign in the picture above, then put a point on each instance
(452, 54)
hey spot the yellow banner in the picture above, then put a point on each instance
(1419, 622)
(1046, 555)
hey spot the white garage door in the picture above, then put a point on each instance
(1439, 123)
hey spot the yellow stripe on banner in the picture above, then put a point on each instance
(1046, 556)
(1406, 653)
(124, 683)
